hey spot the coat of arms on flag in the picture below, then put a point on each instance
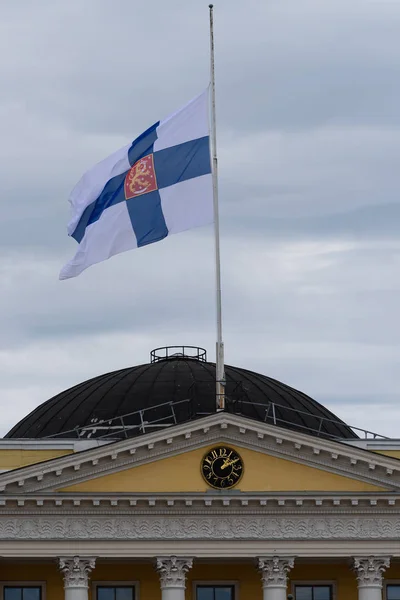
(141, 179)
(159, 185)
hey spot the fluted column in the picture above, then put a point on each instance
(369, 571)
(76, 572)
(172, 571)
(274, 571)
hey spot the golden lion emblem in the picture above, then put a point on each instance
(141, 178)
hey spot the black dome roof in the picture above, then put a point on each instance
(172, 390)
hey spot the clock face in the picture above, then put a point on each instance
(222, 467)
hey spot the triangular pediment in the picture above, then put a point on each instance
(275, 460)
(262, 472)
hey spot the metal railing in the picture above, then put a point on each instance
(166, 352)
(121, 425)
(273, 406)
(142, 421)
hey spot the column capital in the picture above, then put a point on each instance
(76, 570)
(369, 570)
(172, 570)
(274, 570)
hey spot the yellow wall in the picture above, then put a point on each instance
(14, 459)
(246, 575)
(250, 586)
(340, 574)
(182, 474)
(144, 573)
(40, 573)
(392, 453)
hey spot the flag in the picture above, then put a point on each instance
(159, 185)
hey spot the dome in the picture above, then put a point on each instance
(176, 386)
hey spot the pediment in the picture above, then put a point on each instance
(182, 474)
(276, 460)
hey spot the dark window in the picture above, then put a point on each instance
(215, 592)
(313, 592)
(12, 592)
(115, 592)
(393, 592)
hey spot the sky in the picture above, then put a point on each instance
(308, 130)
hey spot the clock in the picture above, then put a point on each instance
(222, 467)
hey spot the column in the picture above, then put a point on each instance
(172, 571)
(76, 572)
(369, 571)
(274, 571)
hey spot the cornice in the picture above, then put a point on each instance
(229, 504)
(335, 457)
(145, 549)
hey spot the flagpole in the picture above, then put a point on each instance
(220, 369)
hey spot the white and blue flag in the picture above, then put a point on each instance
(159, 185)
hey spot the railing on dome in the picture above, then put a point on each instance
(272, 407)
(130, 424)
(166, 352)
(149, 419)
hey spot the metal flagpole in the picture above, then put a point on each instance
(220, 369)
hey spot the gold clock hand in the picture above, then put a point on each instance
(225, 463)
(228, 463)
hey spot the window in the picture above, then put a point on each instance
(313, 592)
(13, 592)
(115, 592)
(393, 591)
(215, 592)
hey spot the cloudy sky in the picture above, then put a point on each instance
(308, 97)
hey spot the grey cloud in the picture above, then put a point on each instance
(367, 223)
(297, 65)
(309, 139)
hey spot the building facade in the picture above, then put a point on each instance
(219, 506)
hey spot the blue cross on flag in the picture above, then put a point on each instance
(159, 185)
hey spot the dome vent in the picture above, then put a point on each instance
(171, 352)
